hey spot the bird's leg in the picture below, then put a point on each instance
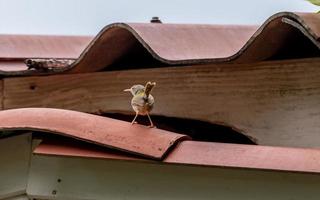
(134, 119)
(151, 124)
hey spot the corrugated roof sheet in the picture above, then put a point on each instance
(180, 44)
(246, 156)
(164, 44)
(92, 136)
(14, 49)
(116, 134)
(42, 46)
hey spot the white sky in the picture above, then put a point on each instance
(83, 17)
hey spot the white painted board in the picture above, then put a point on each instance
(79, 178)
(15, 154)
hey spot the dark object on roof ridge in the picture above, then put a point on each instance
(119, 45)
(155, 20)
(47, 64)
(140, 140)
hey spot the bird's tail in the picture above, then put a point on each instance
(149, 86)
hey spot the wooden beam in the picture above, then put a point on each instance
(276, 103)
(56, 177)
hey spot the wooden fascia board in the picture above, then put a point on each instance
(272, 102)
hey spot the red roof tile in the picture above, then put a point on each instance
(246, 156)
(137, 139)
(79, 150)
(177, 44)
(209, 154)
(42, 46)
(14, 49)
(180, 44)
(103, 137)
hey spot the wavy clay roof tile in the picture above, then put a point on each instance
(125, 46)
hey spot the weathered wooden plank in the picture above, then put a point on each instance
(54, 177)
(277, 103)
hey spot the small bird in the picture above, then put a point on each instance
(142, 101)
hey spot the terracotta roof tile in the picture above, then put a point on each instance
(42, 46)
(93, 136)
(14, 49)
(116, 134)
(209, 154)
(246, 156)
(181, 44)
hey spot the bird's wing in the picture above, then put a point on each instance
(147, 89)
(138, 100)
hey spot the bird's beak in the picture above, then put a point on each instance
(127, 90)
